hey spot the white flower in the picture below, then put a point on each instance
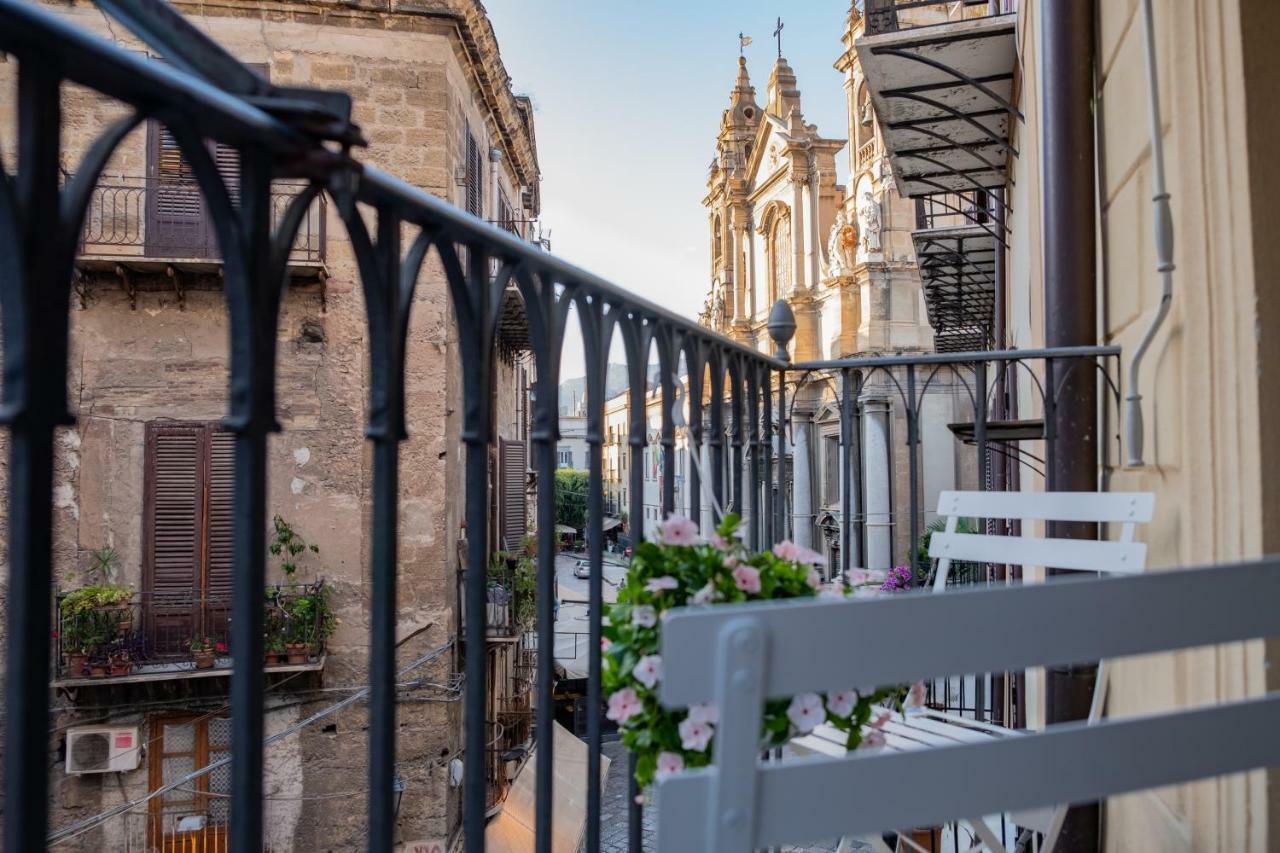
(623, 705)
(832, 594)
(915, 697)
(695, 735)
(842, 702)
(648, 670)
(644, 616)
(705, 713)
(657, 585)
(706, 595)
(813, 579)
(806, 712)
(678, 530)
(669, 764)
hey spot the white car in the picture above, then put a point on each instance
(582, 569)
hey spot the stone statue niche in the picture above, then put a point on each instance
(869, 226)
(842, 247)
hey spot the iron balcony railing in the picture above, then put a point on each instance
(172, 635)
(147, 218)
(888, 16)
(739, 405)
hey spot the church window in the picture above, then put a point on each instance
(716, 241)
(780, 257)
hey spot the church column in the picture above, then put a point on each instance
(739, 273)
(751, 265)
(875, 467)
(802, 481)
(815, 238)
(798, 233)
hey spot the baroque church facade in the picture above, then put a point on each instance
(781, 226)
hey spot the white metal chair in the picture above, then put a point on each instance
(928, 729)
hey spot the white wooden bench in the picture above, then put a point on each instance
(932, 729)
(766, 650)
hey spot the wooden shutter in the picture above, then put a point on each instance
(219, 515)
(175, 210)
(475, 175)
(513, 519)
(174, 496)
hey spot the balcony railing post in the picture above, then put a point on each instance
(847, 448)
(596, 334)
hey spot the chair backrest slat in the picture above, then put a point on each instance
(1081, 554)
(1112, 507)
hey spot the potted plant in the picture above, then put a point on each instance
(99, 666)
(683, 569)
(119, 659)
(309, 621)
(202, 652)
(275, 650)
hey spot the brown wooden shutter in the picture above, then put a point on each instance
(175, 211)
(513, 520)
(475, 175)
(220, 504)
(174, 494)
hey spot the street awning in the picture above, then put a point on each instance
(564, 528)
(512, 831)
(610, 523)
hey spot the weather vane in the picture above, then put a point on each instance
(778, 35)
(743, 41)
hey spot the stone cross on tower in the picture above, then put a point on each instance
(777, 33)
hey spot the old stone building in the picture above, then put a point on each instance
(842, 257)
(143, 485)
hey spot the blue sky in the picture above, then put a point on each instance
(627, 100)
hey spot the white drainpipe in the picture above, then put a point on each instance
(1164, 245)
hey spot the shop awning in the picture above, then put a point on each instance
(610, 523)
(512, 831)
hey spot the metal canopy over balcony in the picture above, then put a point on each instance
(957, 269)
(941, 81)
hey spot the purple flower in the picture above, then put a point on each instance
(898, 579)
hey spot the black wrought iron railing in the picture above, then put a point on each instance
(887, 16)
(740, 406)
(952, 210)
(145, 218)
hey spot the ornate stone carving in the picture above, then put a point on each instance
(842, 246)
(869, 225)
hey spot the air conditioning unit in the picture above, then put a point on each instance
(102, 749)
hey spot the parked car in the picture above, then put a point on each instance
(582, 569)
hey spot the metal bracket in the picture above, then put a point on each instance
(177, 286)
(130, 289)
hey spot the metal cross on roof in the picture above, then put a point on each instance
(777, 33)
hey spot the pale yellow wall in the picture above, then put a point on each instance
(1200, 378)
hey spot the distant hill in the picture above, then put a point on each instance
(572, 391)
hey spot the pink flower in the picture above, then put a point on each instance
(695, 735)
(793, 553)
(879, 722)
(657, 585)
(747, 579)
(644, 616)
(678, 530)
(915, 696)
(720, 542)
(872, 740)
(805, 712)
(669, 764)
(730, 561)
(842, 702)
(623, 705)
(648, 670)
(605, 644)
(813, 579)
(705, 713)
(703, 596)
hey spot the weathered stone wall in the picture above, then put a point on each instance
(419, 77)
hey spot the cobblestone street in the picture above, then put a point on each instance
(613, 822)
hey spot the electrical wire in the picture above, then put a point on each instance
(83, 826)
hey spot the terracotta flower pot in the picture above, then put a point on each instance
(76, 664)
(203, 658)
(274, 658)
(121, 667)
(98, 670)
(297, 652)
(123, 627)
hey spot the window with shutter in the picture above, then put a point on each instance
(188, 524)
(177, 224)
(475, 176)
(513, 463)
(178, 746)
